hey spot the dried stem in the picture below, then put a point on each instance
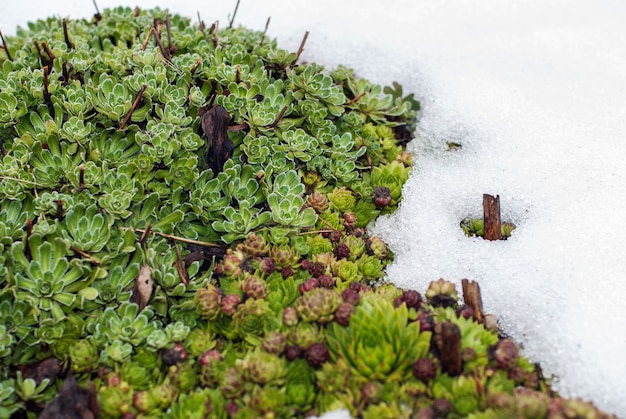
(98, 16)
(29, 232)
(132, 109)
(59, 213)
(201, 25)
(49, 53)
(81, 178)
(267, 24)
(46, 92)
(215, 28)
(170, 45)
(180, 267)
(5, 47)
(20, 180)
(280, 116)
(144, 235)
(473, 298)
(177, 238)
(196, 65)
(306, 35)
(355, 99)
(491, 217)
(165, 52)
(66, 35)
(85, 255)
(230, 24)
(145, 43)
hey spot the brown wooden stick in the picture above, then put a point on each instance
(230, 24)
(180, 267)
(48, 51)
(267, 24)
(448, 339)
(5, 46)
(132, 108)
(66, 35)
(280, 116)
(145, 43)
(306, 35)
(177, 238)
(491, 217)
(164, 52)
(355, 99)
(85, 255)
(473, 298)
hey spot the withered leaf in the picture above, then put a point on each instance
(448, 340)
(215, 127)
(73, 402)
(142, 291)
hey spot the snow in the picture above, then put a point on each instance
(534, 91)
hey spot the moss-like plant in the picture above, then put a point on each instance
(182, 215)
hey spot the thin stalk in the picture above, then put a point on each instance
(306, 35)
(201, 25)
(85, 255)
(165, 52)
(267, 24)
(66, 35)
(196, 65)
(132, 109)
(180, 267)
(5, 46)
(355, 99)
(172, 237)
(144, 235)
(145, 43)
(81, 178)
(280, 116)
(170, 45)
(230, 24)
(98, 16)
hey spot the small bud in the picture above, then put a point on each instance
(465, 311)
(381, 196)
(316, 355)
(290, 316)
(505, 354)
(335, 236)
(174, 355)
(293, 352)
(309, 285)
(343, 313)
(341, 251)
(267, 265)
(349, 220)
(287, 272)
(316, 269)
(350, 296)
(230, 303)
(424, 370)
(326, 281)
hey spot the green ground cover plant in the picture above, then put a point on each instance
(182, 234)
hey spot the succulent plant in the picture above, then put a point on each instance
(208, 301)
(318, 305)
(369, 348)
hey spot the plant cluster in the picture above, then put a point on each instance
(182, 216)
(475, 227)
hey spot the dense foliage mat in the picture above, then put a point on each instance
(182, 235)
